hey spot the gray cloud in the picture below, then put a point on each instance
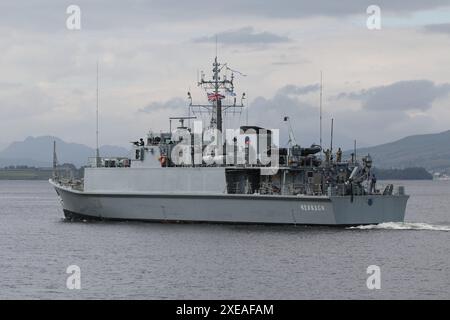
(359, 124)
(438, 28)
(20, 101)
(402, 95)
(139, 57)
(296, 90)
(246, 35)
(101, 14)
(288, 63)
(5, 86)
(173, 104)
(269, 113)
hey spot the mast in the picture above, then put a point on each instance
(320, 112)
(217, 88)
(331, 144)
(55, 160)
(218, 102)
(97, 150)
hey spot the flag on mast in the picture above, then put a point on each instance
(215, 96)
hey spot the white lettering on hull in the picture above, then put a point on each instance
(312, 207)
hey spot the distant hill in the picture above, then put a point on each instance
(403, 174)
(38, 152)
(430, 151)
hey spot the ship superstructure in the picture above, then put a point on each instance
(200, 172)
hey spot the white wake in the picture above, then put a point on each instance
(403, 226)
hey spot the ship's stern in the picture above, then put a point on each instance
(369, 209)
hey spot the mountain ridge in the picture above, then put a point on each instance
(430, 151)
(38, 152)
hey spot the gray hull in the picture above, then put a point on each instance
(255, 209)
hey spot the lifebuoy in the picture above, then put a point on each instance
(162, 160)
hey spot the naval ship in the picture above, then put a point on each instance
(204, 175)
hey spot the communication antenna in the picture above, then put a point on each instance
(320, 111)
(331, 144)
(55, 161)
(97, 154)
(246, 113)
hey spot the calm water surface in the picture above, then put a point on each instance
(168, 261)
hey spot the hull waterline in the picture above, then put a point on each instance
(230, 208)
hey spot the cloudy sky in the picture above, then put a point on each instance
(379, 85)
